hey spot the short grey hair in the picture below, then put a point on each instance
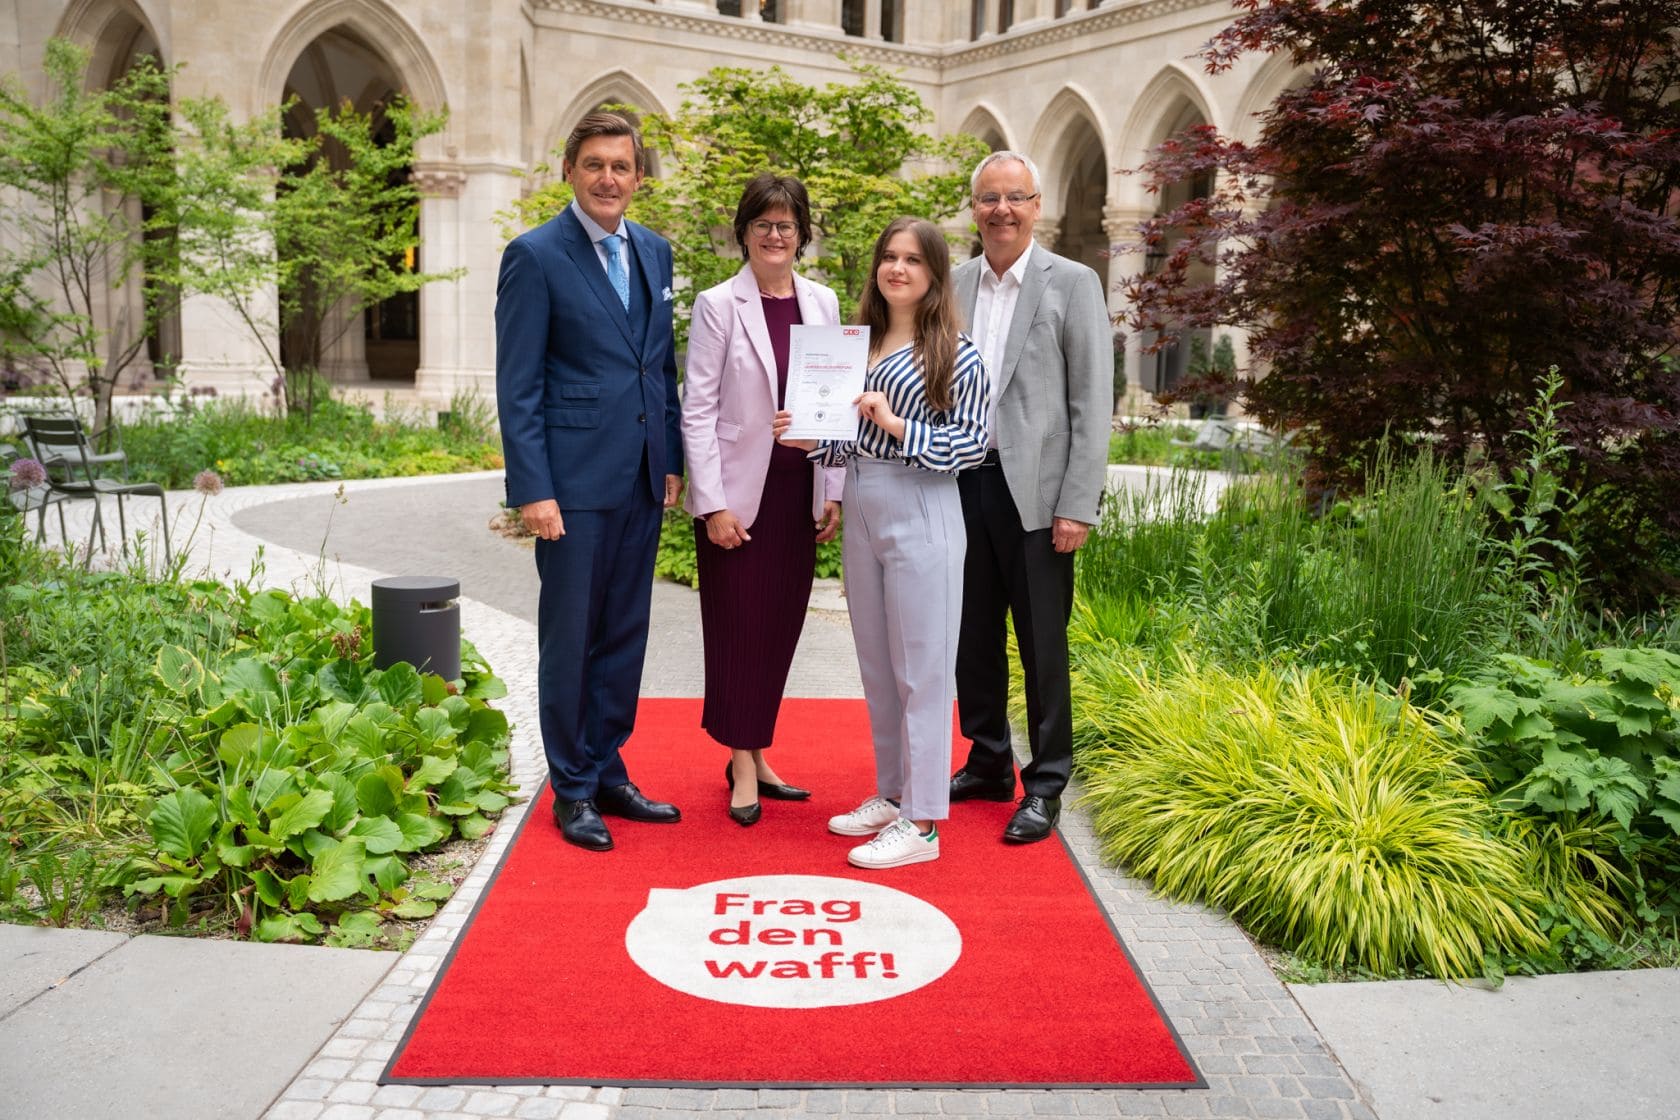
(1000, 157)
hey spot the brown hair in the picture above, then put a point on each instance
(768, 192)
(934, 346)
(604, 124)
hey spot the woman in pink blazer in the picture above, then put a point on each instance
(759, 508)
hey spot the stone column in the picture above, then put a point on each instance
(1032, 13)
(219, 355)
(344, 345)
(459, 229)
(872, 19)
(1120, 224)
(934, 24)
(1048, 233)
(1239, 337)
(219, 351)
(815, 15)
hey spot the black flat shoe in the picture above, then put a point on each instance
(746, 814)
(772, 790)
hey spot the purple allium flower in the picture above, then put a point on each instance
(27, 473)
(208, 483)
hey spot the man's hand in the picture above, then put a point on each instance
(725, 530)
(543, 519)
(1066, 534)
(673, 490)
(829, 526)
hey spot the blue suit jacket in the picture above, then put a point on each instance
(580, 399)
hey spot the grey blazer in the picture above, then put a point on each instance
(1055, 390)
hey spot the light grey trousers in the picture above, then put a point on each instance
(903, 551)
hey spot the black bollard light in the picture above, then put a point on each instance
(417, 619)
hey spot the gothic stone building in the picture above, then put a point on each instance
(1084, 87)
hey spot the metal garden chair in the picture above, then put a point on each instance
(74, 470)
(31, 498)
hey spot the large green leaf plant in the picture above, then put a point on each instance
(296, 779)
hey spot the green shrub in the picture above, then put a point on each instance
(229, 753)
(248, 445)
(1595, 750)
(1151, 445)
(1328, 818)
(1394, 585)
(676, 560)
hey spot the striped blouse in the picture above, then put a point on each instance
(935, 441)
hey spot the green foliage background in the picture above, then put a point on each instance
(859, 147)
(1383, 733)
(229, 756)
(248, 445)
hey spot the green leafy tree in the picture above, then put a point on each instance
(345, 227)
(94, 202)
(227, 172)
(1454, 198)
(859, 146)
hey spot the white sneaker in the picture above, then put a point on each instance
(866, 820)
(896, 845)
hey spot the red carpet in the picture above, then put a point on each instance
(779, 964)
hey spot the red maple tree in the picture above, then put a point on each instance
(1454, 198)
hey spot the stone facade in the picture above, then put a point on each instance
(1085, 89)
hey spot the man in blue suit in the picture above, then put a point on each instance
(586, 388)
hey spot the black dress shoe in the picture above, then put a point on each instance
(627, 801)
(746, 814)
(581, 824)
(772, 790)
(1033, 820)
(971, 787)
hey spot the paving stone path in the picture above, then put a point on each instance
(1256, 1048)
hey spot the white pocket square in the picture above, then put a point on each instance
(665, 294)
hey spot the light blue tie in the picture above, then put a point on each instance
(615, 268)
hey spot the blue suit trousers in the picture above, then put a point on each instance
(592, 625)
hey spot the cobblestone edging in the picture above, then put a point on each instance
(1257, 1050)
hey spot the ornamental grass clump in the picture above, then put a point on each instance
(1327, 817)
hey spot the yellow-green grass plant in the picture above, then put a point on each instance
(1325, 816)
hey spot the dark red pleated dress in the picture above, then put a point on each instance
(753, 598)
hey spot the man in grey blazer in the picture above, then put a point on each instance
(1041, 321)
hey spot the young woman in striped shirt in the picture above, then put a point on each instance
(923, 419)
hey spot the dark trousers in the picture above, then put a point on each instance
(1011, 571)
(592, 628)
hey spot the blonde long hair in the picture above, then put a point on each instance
(934, 342)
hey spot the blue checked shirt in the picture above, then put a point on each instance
(935, 441)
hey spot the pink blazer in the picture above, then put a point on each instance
(729, 397)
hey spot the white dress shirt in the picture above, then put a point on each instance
(994, 309)
(596, 233)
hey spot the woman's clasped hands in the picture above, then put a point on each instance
(725, 530)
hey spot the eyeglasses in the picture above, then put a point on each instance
(1014, 198)
(762, 228)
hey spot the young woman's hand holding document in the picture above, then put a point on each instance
(825, 375)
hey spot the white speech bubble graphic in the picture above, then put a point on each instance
(792, 941)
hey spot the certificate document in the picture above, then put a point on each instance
(825, 375)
